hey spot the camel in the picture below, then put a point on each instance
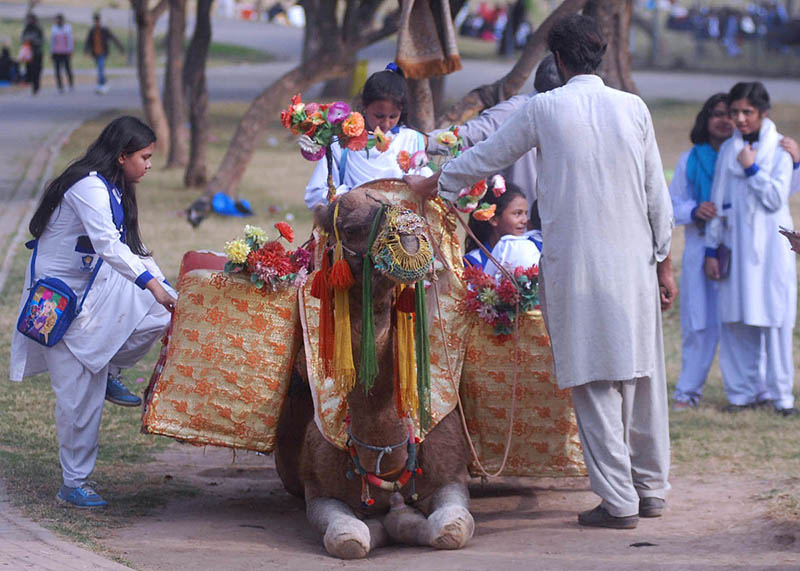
(436, 513)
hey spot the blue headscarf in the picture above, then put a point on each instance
(700, 170)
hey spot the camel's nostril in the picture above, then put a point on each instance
(410, 243)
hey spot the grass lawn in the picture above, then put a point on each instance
(704, 441)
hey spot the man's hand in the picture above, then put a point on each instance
(706, 211)
(421, 186)
(666, 283)
(791, 147)
(712, 268)
(747, 156)
(794, 240)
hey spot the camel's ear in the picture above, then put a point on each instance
(322, 216)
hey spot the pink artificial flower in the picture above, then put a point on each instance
(338, 112)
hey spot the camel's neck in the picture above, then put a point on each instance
(373, 416)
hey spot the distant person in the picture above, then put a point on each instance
(61, 48)
(758, 289)
(690, 190)
(791, 147)
(9, 69)
(33, 37)
(97, 46)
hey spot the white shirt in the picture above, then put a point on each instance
(606, 220)
(114, 305)
(363, 166)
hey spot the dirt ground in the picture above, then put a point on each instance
(243, 519)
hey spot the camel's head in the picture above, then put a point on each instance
(400, 250)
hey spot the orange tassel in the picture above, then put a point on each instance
(341, 276)
(319, 285)
(406, 301)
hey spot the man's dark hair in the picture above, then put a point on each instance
(547, 77)
(579, 43)
(700, 132)
(753, 91)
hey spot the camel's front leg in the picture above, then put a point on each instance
(450, 525)
(344, 535)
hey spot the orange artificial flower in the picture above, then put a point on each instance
(404, 161)
(485, 214)
(382, 142)
(353, 126)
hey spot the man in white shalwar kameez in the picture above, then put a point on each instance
(607, 222)
(758, 298)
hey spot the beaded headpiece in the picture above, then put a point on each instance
(391, 257)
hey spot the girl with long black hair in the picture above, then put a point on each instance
(88, 217)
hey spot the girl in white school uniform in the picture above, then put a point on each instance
(690, 191)
(88, 216)
(384, 104)
(505, 233)
(757, 300)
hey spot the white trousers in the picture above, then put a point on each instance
(624, 431)
(697, 355)
(744, 377)
(80, 395)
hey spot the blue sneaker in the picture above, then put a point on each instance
(119, 394)
(83, 497)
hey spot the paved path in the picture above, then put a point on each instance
(25, 545)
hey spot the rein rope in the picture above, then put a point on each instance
(484, 473)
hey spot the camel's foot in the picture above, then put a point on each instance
(450, 527)
(347, 538)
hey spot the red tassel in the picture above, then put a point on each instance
(326, 321)
(319, 284)
(406, 301)
(341, 276)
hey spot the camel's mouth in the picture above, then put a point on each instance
(401, 250)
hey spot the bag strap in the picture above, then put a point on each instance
(35, 245)
(343, 165)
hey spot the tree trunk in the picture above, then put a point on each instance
(326, 49)
(146, 69)
(174, 98)
(194, 79)
(421, 113)
(263, 110)
(492, 93)
(614, 17)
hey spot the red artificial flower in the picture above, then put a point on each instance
(508, 292)
(271, 255)
(477, 278)
(478, 189)
(357, 143)
(286, 231)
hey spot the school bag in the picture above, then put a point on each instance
(52, 306)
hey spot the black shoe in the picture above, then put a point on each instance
(734, 408)
(651, 507)
(599, 517)
(198, 211)
(791, 411)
